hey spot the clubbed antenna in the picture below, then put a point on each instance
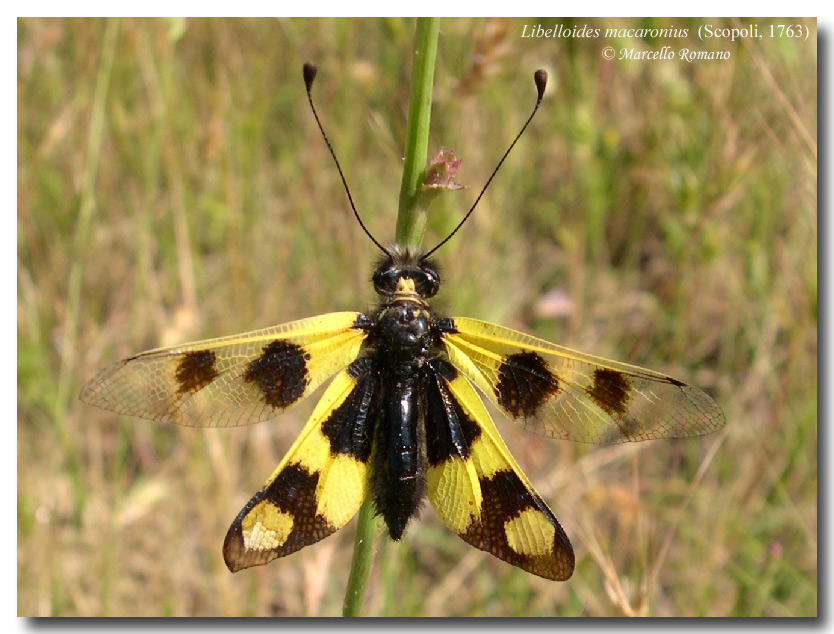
(540, 77)
(310, 71)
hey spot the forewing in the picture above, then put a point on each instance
(320, 483)
(477, 488)
(561, 393)
(230, 381)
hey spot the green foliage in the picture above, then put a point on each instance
(661, 213)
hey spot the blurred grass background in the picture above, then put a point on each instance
(172, 186)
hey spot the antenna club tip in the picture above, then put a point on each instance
(310, 70)
(540, 77)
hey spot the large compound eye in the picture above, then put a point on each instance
(427, 281)
(385, 278)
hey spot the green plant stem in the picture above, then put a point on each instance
(410, 225)
(367, 527)
(410, 221)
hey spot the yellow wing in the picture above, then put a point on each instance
(561, 393)
(477, 488)
(320, 483)
(229, 381)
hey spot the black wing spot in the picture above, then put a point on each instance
(506, 497)
(294, 492)
(610, 391)
(195, 371)
(450, 431)
(349, 427)
(280, 373)
(524, 384)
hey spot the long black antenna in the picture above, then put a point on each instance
(310, 71)
(540, 77)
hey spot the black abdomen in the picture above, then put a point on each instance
(399, 481)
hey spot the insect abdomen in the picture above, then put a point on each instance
(399, 481)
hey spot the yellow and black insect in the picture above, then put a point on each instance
(402, 420)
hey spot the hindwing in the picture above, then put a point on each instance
(320, 483)
(561, 393)
(478, 490)
(229, 381)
